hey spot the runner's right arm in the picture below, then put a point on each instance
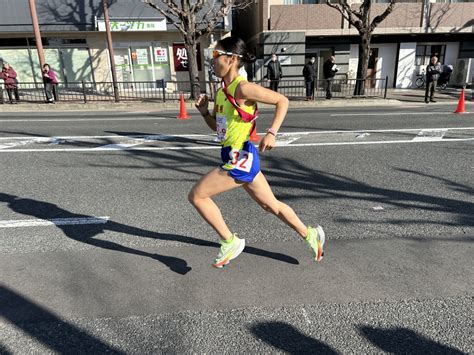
(202, 104)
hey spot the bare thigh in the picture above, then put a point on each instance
(261, 192)
(213, 183)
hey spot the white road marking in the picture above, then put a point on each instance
(53, 222)
(92, 150)
(24, 142)
(392, 114)
(287, 141)
(85, 119)
(170, 136)
(430, 135)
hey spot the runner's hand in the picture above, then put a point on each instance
(202, 104)
(267, 143)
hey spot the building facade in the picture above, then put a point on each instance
(146, 46)
(401, 45)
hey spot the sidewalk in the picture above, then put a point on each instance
(394, 97)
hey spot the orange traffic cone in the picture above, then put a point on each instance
(253, 133)
(461, 106)
(183, 114)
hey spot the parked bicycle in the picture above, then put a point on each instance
(443, 80)
(420, 81)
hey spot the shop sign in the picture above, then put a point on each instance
(161, 54)
(133, 26)
(142, 56)
(180, 57)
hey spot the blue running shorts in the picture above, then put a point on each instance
(242, 165)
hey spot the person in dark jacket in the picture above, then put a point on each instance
(274, 73)
(433, 70)
(50, 84)
(309, 73)
(329, 70)
(8, 75)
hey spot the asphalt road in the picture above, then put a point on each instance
(101, 252)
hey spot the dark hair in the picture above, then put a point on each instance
(237, 46)
(46, 64)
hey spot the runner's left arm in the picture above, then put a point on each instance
(257, 93)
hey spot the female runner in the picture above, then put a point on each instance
(233, 119)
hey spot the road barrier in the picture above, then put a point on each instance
(161, 90)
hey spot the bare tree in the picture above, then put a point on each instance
(360, 18)
(194, 19)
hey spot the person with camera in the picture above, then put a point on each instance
(50, 84)
(329, 70)
(8, 75)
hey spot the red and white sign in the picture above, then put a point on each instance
(180, 57)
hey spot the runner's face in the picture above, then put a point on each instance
(223, 63)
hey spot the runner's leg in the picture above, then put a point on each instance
(213, 183)
(261, 192)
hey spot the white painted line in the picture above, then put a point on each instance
(24, 142)
(392, 114)
(85, 119)
(154, 137)
(53, 222)
(430, 135)
(211, 136)
(92, 150)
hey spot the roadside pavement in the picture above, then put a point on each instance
(394, 97)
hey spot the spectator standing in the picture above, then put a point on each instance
(309, 73)
(8, 75)
(274, 73)
(433, 70)
(329, 70)
(50, 84)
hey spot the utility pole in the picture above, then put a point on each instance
(36, 30)
(111, 49)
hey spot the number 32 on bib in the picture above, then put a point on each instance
(241, 160)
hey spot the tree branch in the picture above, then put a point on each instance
(170, 11)
(346, 12)
(382, 16)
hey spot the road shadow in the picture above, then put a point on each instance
(86, 233)
(286, 337)
(47, 328)
(404, 341)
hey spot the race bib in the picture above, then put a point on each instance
(221, 122)
(241, 160)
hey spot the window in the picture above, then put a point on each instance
(425, 52)
(299, 2)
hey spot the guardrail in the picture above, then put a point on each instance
(160, 90)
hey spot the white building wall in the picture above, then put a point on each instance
(353, 61)
(406, 66)
(452, 52)
(386, 63)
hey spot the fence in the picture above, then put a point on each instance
(161, 91)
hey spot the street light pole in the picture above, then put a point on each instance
(36, 30)
(111, 49)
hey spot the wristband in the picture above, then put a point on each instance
(272, 132)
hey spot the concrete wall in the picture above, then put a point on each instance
(292, 59)
(386, 63)
(304, 17)
(452, 52)
(406, 74)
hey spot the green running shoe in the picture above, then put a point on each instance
(315, 239)
(229, 250)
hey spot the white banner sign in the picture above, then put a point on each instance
(133, 26)
(161, 54)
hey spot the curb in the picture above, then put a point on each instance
(174, 105)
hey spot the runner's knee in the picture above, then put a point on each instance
(192, 196)
(271, 207)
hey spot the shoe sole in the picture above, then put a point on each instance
(224, 262)
(322, 240)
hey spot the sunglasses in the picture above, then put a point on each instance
(216, 53)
